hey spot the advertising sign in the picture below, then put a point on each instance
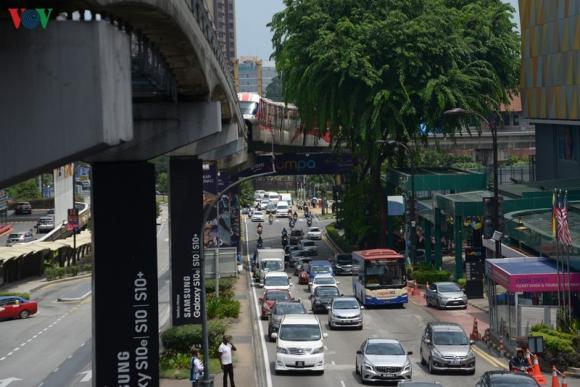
(126, 347)
(186, 179)
(72, 220)
(3, 200)
(474, 272)
(303, 164)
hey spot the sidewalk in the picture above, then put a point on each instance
(242, 336)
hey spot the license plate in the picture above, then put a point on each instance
(389, 375)
(455, 362)
(299, 364)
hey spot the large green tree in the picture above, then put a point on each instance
(381, 69)
(274, 90)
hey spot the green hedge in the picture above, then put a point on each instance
(182, 338)
(424, 276)
(339, 240)
(23, 295)
(222, 307)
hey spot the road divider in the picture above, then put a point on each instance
(74, 299)
(5, 229)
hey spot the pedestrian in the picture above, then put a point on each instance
(195, 368)
(225, 350)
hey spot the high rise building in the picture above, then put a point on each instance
(251, 76)
(224, 20)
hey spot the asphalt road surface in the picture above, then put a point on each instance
(53, 348)
(404, 324)
(22, 223)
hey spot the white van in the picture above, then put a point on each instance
(268, 260)
(272, 196)
(282, 209)
(299, 345)
(287, 198)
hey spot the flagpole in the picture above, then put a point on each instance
(568, 248)
(555, 199)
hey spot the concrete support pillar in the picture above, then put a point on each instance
(125, 306)
(438, 255)
(427, 240)
(458, 236)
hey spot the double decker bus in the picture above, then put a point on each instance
(382, 279)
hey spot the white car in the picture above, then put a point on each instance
(314, 233)
(277, 280)
(322, 280)
(299, 345)
(258, 216)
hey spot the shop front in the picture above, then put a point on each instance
(523, 292)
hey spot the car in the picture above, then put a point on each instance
(19, 237)
(446, 295)
(413, 383)
(299, 344)
(300, 265)
(309, 246)
(245, 210)
(383, 359)
(342, 264)
(264, 203)
(344, 312)
(296, 236)
(258, 216)
(297, 254)
(277, 280)
(321, 298)
(314, 233)
(23, 208)
(45, 224)
(506, 378)
(16, 307)
(322, 280)
(279, 311)
(446, 347)
(50, 211)
(319, 267)
(269, 298)
(288, 254)
(271, 208)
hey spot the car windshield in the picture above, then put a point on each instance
(448, 288)
(290, 309)
(308, 244)
(512, 380)
(276, 281)
(384, 349)
(450, 338)
(327, 291)
(300, 332)
(321, 269)
(272, 265)
(14, 236)
(344, 259)
(380, 273)
(324, 280)
(277, 296)
(345, 304)
(314, 229)
(257, 213)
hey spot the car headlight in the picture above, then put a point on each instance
(282, 350)
(470, 355)
(436, 353)
(318, 350)
(368, 366)
(407, 366)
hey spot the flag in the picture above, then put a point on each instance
(554, 221)
(564, 234)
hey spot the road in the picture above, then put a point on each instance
(22, 223)
(53, 348)
(404, 324)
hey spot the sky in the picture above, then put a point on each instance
(255, 39)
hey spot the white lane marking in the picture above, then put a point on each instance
(342, 383)
(260, 329)
(333, 363)
(7, 381)
(88, 375)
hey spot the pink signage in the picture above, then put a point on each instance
(530, 282)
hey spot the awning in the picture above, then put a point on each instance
(528, 274)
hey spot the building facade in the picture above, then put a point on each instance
(550, 83)
(224, 19)
(251, 76)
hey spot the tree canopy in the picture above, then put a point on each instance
(274, 90)
(371, 69)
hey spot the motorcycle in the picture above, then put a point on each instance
(259, 229)
(270, 219)
(309, 222)
(292, 224)
(284, 241)
(260, 243)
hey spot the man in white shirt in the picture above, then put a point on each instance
(225, 350)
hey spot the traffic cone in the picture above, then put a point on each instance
(555, 381)
(475, 333)
(538, 375)
(564, 382)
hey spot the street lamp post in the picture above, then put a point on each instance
(492, 125)
(412, 212)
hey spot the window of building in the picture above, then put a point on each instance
(506, 119)
(567, 146)
(516, 119)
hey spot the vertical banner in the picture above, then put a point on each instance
(186, 214)
(125, 306)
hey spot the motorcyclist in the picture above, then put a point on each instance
(295, 216)
(271, 218)
(260, 243)
(284, 232)
(519, 361)
(259, 228)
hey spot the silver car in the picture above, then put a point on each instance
(446, 347)
(345, 312)
(279, 311)
(383, 360)
(19, 237)
(446, 295)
